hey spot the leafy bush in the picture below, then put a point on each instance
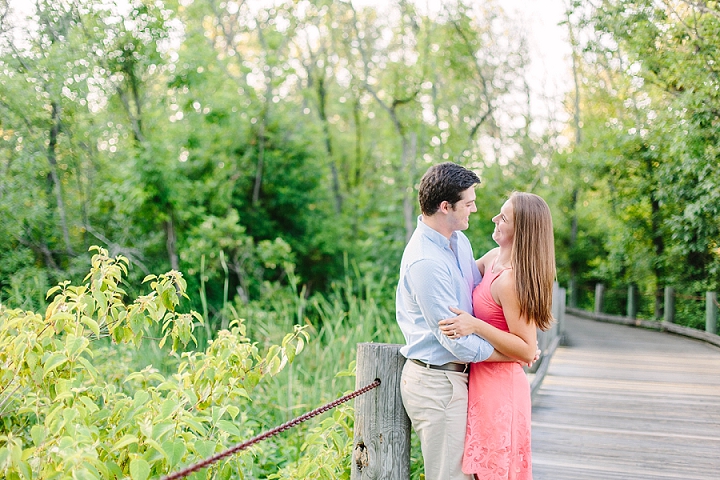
(70, 407)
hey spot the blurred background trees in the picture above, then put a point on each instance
(271, 151)
(234, 140)
(229, 140)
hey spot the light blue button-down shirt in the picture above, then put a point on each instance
(436, 273)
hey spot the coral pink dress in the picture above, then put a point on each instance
(497, 439)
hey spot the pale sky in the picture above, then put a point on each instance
(550, 74)
(550, 69)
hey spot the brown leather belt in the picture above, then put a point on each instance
(452, 366)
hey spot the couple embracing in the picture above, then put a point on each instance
(470, 325)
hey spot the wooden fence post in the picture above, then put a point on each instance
(599, 290)
(669, 309)
(381, 446)
(711, 312)
(561, 318)
(632, 306)
(572, 286)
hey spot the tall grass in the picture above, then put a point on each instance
(358, 308)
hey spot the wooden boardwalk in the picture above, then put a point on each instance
(620, 402)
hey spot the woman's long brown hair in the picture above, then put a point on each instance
(533, 257)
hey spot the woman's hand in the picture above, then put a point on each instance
(456, 327)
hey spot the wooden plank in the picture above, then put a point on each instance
(620, 402)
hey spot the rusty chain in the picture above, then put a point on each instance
(281, 428)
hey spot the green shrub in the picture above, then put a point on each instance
(71, 408)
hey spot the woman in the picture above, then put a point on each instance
(513, 299)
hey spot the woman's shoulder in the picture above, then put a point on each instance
(506, 281)
(484, 262)
(490, 255)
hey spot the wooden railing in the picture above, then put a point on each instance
(667, 323)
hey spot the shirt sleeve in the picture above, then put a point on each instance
(432, 287)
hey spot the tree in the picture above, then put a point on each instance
(649, 130)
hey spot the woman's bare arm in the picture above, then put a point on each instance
(520, 342)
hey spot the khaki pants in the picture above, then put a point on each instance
(436, 402)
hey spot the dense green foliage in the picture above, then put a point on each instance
(74, 404)
(270, 151)
(236, 136)
(72, 408)
(646, 159)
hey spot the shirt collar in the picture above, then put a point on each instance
(435, 236)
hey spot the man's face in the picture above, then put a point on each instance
(461, 210)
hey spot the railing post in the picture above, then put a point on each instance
(599, 290)
(669, 310)
(559, 297)
(572, 286)
(561, 317)
(711, 312)
(632, 306)
(381, 445)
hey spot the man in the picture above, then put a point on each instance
(437, 271)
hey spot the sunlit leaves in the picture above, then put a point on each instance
(66, 416)
(650, 94)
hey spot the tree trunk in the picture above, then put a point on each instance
(408, 165)
(261, 143)
(578, 138)
(260, 163)
(171, 241)
(322, 103)
(52, 159)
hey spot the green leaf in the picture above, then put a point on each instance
(52, 290)
(16, 453)
(53, 361)
(152, 443)
(134, 376)
(141, 398)
(100, 299)
(59, 319)
(4, 457)
(162, 430)
(114, 469)
(38, 434)
(175, 451)
(125, 441)
(204, 448)
(228, 427)
(91, 324)
(169, 298)
(83, 474)
(233, 411)
(24, 468)
(88, 366)
(75, 345)
(168, 407)
(139, 469)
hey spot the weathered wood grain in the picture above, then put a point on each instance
(620, 402)
(381, 445)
